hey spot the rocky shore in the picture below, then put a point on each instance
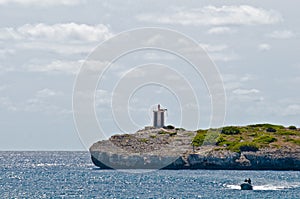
(172, 149)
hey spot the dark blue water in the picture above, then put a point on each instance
(72, 175)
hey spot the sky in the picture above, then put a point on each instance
(255, 46)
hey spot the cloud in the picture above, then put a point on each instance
(220, 30)
(102, 97)
(245, 91)
(214, 48)
(211, 15)
(6, 52)
(224, 57)
(6, 103)
(42, 3)
(58, 66)
(281, 34)
(292, 109)
(60, 48)
(65, 32)
(47, 93)
(264, 47)
(42, 101)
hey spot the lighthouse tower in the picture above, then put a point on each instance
(159, 117)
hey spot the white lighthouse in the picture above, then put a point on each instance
(159, 117)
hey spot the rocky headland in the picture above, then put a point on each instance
(253, 147)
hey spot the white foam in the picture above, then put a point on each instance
(266, 187)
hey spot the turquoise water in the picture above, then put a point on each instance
(72, 175)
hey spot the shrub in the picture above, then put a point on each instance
(211, 137)
(162, 132)
(247, 146)
(286, 132)
(265, 139)
(172, 133)
(199, 138)
(169, 127)
(267, 126)
(230, 130)
(221, 140)
(271, 130)
(292, 128)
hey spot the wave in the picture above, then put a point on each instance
(267, 187)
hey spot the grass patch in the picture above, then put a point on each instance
(199, 138)
(144, 140)
(264, 139)
(287, 132)
(296, 141)
(167, 133)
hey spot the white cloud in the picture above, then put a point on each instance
(6, 103)
(60, 48)
(211, 15)
(46, 92)
(245, 91)
(264, 47)
(42, 3)
(58, 32)
(292, 109)
(281, 34)
(214, 48)
(220, 30)
(224, 57)
(68, 67)
(102, 97)
(6, 52)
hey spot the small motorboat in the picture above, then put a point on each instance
(246, 186)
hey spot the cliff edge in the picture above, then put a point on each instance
(253, 147)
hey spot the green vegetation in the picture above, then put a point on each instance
(171, 133)
(199, 138)
(264, 139)
(144, 140)
(169, 127)
(179, 129)
(245, 146)
(292, 128)
(230, 130)
(152, 136)
(248, 138)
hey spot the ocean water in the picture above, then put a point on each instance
(72, 175)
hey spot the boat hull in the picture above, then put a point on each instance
(246, 186)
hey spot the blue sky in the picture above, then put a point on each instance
(254, 44)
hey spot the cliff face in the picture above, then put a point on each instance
(172, 149)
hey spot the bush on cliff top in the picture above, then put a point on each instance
(230, 130)
(265, 139)
(292, 127)
(245, 146)
(199, 138)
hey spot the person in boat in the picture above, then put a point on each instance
(249, 180)
(245, 180)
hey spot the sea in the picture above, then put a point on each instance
(73, 175)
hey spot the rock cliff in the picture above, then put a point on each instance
(172, 149)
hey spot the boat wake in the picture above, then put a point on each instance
(270, 187)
